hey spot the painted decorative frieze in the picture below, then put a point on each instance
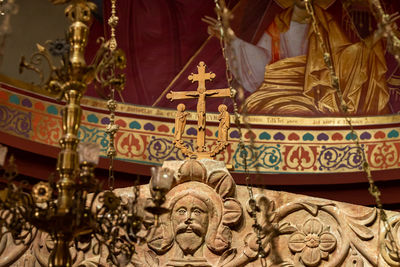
(146, 136)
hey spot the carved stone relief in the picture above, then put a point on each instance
(209, 224)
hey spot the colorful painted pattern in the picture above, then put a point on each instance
(149, 141)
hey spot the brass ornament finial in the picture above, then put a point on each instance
(112, 22)
(80, 11)
(180, 119)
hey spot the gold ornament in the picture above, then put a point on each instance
(42, 192)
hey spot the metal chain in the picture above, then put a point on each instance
(112, 128)
(384, 22)
(373, 189)
(223, 15)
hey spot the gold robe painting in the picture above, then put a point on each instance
(286, 74)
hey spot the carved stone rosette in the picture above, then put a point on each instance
(208, 224)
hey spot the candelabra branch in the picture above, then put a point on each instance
(69, 211)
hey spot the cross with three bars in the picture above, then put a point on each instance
(201, 94)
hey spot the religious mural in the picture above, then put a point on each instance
(276, 55)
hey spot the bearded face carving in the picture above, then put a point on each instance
(190, 223)
(202, 210)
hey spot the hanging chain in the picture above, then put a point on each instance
(386, 24)
(384, 20)
(224, 16)
(112, 128)
(373, 189)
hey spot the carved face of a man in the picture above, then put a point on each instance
(190, 223)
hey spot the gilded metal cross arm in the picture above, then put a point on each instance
(226, 92)
(182, 95)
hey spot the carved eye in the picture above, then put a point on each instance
(181, 211)
(197, 212)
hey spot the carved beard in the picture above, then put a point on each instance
(189, 237)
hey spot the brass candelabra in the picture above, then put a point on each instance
(73, 209)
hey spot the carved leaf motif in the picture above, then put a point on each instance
(227, 257)
(151, 258)
(388, 245)
(191, 170)
(367, 218)
(93, 262)
(287, 228)
(250, 242)
(311, 208)
(361, 231)
(3, 243)
(271, 211)
(393, 256)
(286, 264)
(223, 239)
(232, 212)
(223, 183)
(358, 224)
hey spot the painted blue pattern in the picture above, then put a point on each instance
(262, 157)
(333, 158)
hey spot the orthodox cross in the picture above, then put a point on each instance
(201, 94)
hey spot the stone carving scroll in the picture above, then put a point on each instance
(208, 224)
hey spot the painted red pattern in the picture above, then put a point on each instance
(46, 129)
(131, 145)
(249, 135)
(39, 106)
(379, 135)
(293, 136)
(337, 137)
(121, 123)
(163, 128)
(3, 96)
(383, 155)
(299, 158)
(225, 155)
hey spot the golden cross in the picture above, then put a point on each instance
(201, 77)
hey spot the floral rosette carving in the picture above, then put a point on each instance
(313, 242)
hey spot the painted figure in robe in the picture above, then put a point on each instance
(286, 74)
